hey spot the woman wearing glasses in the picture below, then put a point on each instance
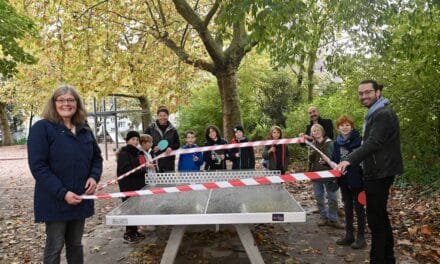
(66, 162)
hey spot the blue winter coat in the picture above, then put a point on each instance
(186, 161)
(61, 161)
(353, 177)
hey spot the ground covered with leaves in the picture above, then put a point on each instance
(415, 219)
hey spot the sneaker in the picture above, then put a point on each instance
(359, 243)
(335, 224)
(323, 222)
(345, 241)
(139, 235)
(341, 212)
(131, 238)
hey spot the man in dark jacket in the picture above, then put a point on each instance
(162, 129)
(381, 161)
(315, 118)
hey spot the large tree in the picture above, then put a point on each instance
(13, 27)
(193, 32)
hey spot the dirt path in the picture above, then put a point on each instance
(22, 241)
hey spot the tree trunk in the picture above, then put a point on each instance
(310, 74)
(4, 125)
(300, 75)
(227, 83)
(146, 114)
(31, 119)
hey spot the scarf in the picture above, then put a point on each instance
(380, 103)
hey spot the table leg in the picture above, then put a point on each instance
(173, 244)
(247, 240)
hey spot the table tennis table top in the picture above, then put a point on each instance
(242, 205)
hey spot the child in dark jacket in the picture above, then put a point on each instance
(190, 161)
(128, 158)
(277, 155)
(351, 182)
(242, 158)
(216, 159)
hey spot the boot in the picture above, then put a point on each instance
(347, 240)
(359, 243)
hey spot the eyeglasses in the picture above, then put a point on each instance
(367, 92)
(68, 101)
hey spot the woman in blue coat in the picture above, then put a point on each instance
(66, 162)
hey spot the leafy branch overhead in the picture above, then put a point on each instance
(13, 27)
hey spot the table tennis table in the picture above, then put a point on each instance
(239, 207)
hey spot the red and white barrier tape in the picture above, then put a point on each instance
(306, 176)
(208, 148)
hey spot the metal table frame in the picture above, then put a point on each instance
(239, 207)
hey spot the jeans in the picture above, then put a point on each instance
(58, 233)
(330, 210)
(382, 242)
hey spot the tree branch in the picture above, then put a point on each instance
(90, 8)
(125, 95)
(190, 16)
(183, 56)
(211, 13)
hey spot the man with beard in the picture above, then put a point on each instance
(381, 159)
(315, 118)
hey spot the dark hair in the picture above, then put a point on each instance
(132, 134)
(376, 86)
(162, 109)
(190, 132)
(215, 128)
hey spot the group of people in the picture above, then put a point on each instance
(66, 162)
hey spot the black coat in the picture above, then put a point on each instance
(129, 158)
(327, 124)
(380, 152)
(246, 158)
(218, 164)
(171, 135)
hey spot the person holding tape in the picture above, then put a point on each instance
(216, 159)
(242, 158)
(191, 161)
(276, 155)
(324, 188)
(351, 183)
(128, 158)
(165, 139)
(66, 162)
(381, 159)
